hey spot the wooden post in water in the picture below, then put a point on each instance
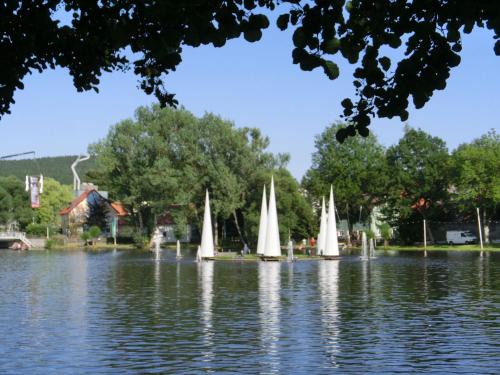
(480, 231)
(425, 240)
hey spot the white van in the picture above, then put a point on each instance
(459, 237)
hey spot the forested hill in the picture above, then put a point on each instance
(58, 167)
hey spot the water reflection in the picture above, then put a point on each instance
(206, 284)
(328, 279)
(84, 313)
(157, 297)
(270, 305)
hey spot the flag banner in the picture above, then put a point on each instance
(114, 226)
(34, 191)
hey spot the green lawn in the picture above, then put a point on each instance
(475, 247)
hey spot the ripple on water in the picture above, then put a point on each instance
(126, 313)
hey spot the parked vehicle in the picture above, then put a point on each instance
(460, 237)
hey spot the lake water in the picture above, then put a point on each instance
(127, 313)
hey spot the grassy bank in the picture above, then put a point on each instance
(491, 247)
(71, 246)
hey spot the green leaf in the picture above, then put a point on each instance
(252, 35)
(385, 62)
(259, 20)
(282, 21)
(299, 38)
(363, 131)
(331, 69)
(331, 46)
(347, 103)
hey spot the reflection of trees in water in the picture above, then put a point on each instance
(270, 305)
(145, 322)
(328, 280)
(56, 316)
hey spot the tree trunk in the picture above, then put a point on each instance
(216, 232)
(431, 237)
(349, 231)
(198, 222)
(235, 216)
(141, 223)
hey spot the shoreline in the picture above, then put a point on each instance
(248, 257)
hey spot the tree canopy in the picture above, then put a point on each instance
(356, 169)
(92, 37)
(165, 159)
(54, 198)
(476, 174)
(419, 172)
(14, 202)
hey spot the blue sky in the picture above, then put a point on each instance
(253, 85)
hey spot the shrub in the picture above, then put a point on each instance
(370, 234)
(39, 230)
(94, 231)
(85, 236)
(56, 240)
(385, 232)
(49, 244)
(141, 241)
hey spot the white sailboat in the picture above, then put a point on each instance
(322, 229)
(331, 250)
(178, 250)
(261, 242)
(207, 250)
(272, 248)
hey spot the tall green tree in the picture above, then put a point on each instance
(476, 176)
(419, 170)
(356, 169)
(165, 159)
(140, 163)
(14, 202)
(426, 37)
(55, 197)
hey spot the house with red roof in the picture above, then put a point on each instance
(91, 208)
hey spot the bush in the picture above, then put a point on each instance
(54, 241)
(49, 244)
(85, 236)
(141, 241)
(39, 230)
(94, 231)
(385, 232)
(370, 234)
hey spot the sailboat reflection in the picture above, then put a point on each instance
(157, 282)
(206, 280)
(270, 305)
(328, 275)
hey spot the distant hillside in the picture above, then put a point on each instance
(58, 167)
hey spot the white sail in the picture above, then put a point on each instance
(331, 243)
(272, 248)
(178, 249)
(261, 243)
(322, 229)
(207, 237)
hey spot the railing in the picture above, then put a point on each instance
(11, 235)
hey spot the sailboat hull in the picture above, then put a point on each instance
(267, 258)
(331, 257)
